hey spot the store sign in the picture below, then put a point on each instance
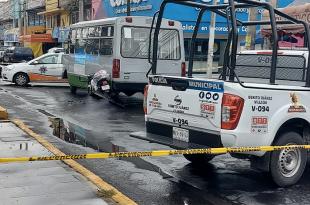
(117, 3)
(112, 8)
(120, 6)
(31, 4)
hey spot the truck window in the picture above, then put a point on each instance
(135, 43)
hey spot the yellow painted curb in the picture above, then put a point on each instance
(3, 114)
(102, 185)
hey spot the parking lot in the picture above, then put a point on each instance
(80, 123)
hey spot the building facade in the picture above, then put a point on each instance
(187, 16)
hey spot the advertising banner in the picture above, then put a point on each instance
(186, 15)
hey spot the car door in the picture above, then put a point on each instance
(48, 68)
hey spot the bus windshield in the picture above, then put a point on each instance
(135, 43)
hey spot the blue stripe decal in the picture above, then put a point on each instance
(206, 86)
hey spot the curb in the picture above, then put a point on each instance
(3, 114)
(118, 197)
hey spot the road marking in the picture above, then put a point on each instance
(118, 197)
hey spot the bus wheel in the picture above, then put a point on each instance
(288, 165)
(73, 89)
(199, 158)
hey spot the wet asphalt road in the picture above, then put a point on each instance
(79, 123)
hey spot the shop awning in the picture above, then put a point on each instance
(52, 11)
(300, 12)
(291, 29)
(43, 38)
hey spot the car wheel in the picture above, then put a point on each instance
(21, 79)
(199, 158)
(6, 59)
(73, 89)
(288, 165)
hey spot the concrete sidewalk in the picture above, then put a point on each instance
(47, 182)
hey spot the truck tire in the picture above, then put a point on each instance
(288, 165)
(199, 158)
(21, 79)
(73, 89)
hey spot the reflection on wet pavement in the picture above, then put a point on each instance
(76, 134)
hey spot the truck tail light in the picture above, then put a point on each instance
(232, 106)
(116, 68)
(146, 89)
(183, 69)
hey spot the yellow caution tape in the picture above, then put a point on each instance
(158, 153)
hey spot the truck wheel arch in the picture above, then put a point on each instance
(298, 125)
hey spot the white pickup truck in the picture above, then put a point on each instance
(261, 98)
(198, 113)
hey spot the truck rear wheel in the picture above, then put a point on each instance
(198, 158)
(288, 165)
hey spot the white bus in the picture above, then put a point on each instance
(120, 46)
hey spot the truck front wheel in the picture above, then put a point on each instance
(288, 165)
(198, 158)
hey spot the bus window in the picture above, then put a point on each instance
(107, 31)
(135, 43)
(92, 46)
(97, 31)
(91, 32)
(73, 34)
(85, 33)
(169, 46)
(106, 46)
(79, 46)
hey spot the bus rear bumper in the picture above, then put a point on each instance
(128, 87)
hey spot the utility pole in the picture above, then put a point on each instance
(251, 32)
(128, 7)
(25, 19)
(81, 10)
(211, 43)
(274, 3)
(20, 19)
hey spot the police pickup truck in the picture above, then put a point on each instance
(198, 113)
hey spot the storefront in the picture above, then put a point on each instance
(187, 16)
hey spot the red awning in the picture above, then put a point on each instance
(44, 38)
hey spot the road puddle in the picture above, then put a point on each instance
(75, 134)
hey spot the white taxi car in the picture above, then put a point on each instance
(46, 68)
